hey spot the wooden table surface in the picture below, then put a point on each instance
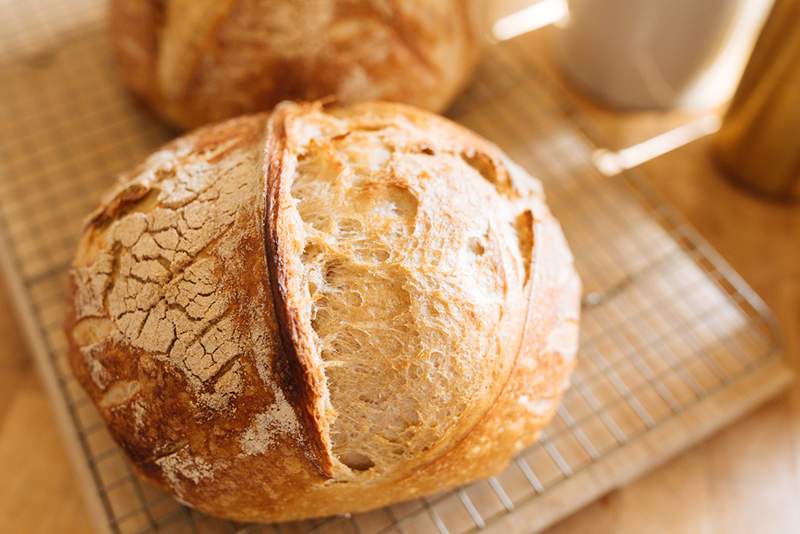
(746, 479)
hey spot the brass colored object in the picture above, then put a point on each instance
(759, 141)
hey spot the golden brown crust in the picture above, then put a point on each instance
(199, 61)
(192, 328)
(136, 49)
(307, 378)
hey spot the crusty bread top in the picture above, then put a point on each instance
(322, 301)
(198, 61)
(401, 244)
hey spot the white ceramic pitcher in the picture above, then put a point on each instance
(659, 53)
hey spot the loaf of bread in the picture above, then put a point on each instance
(323, 310)
(198, 61)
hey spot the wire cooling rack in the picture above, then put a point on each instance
(674, 344)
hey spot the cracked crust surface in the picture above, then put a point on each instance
(198, 61)
(323, 311)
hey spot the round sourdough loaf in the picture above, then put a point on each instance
(324, 310)
(198, 61)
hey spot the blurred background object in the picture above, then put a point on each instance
(200, 61)
(659, 53)
(758, 144)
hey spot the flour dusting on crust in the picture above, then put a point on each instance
(278, 420)
(152, 274)
(180, 467)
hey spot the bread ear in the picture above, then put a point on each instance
(308, 391)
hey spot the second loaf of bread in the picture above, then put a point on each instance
(323, 311)
(199, 61)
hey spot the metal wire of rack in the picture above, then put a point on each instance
(670, 333)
